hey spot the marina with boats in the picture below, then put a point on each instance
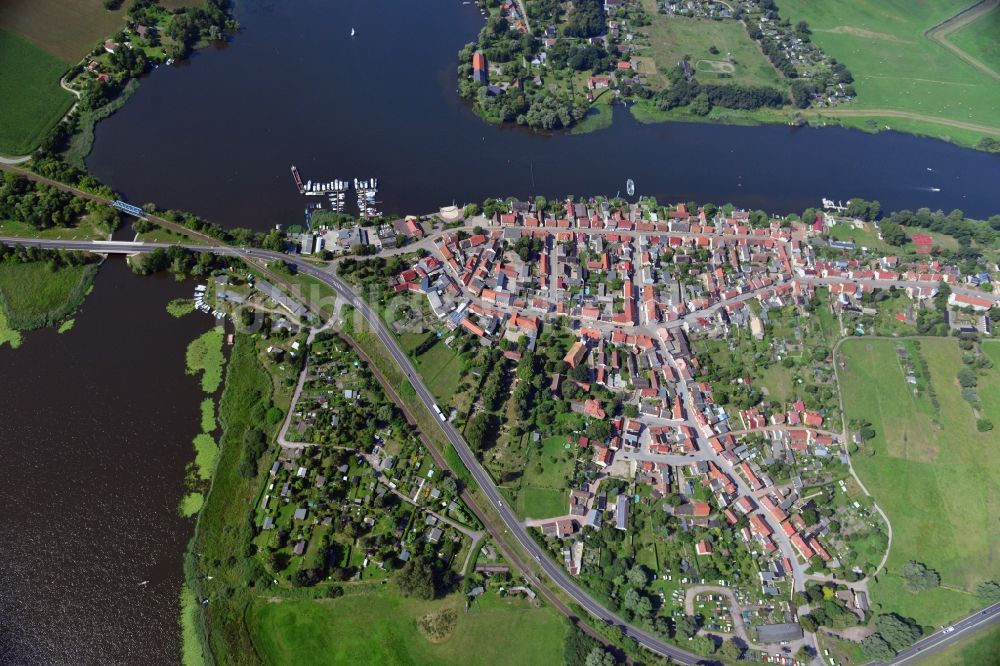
(336, 193)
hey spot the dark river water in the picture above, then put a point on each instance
(95, 430)
(217, 135)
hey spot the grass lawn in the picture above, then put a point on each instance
(866, 237)
(936, 477)
(777, 379)
(380, 628)
(979, 647)
(31, 101)
(543, 491)
(673, 37)
(980, 39)
(541, 502)
(896, 67)
(440, 367)
(34, 296)
(85, 230)
(68, 29)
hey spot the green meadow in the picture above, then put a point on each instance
(933, 473)
(381, 628)
(898, 68)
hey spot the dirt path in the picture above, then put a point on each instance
(940, 32)
(890, 113)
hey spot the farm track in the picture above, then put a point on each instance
(892, 113)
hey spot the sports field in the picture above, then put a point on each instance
(933, 473)
(31, 101)
(738, 58)
(381, 628)
(898, 68)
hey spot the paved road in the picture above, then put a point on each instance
(555, 573)
(940, 639)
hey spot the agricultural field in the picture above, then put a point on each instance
(739, 58)
(67, 29)
(380, 628)
(929, 469)
(31, 100)
(898, 68)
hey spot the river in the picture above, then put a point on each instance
(95, 431)
(217, 135)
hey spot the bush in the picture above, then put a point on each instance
(917, 576)
(984, 425)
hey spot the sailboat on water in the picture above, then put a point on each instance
(352, 32)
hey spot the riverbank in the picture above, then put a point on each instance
(58, 80)
(37, 294)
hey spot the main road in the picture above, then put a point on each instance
(555, 573)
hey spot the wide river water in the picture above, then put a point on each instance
(95, 431)
(96, 424)
(217, 136)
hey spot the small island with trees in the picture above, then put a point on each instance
(549, 64)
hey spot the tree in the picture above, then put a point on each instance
(984, 425)
(701, 105)
(967, 377)
(598, 656)
(577, 647)
(892, 233)
(917, 576)
(731, 650)
(897, 631)
(877, 648)
(989, 591)
(416, 579)
(685, 627)
(637, 576)
(703, 645)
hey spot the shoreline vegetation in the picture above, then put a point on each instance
(41, 288)
(70, 90)
(561, 68)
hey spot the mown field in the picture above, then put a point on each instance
(31, 101)
(33, 295)
(673, 37)
(933, 473)
(896, 67)
(543, 492)
(381, 628)
(67, 29)
(981, 39)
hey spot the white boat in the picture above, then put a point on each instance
(630, 187)
(352, 32)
